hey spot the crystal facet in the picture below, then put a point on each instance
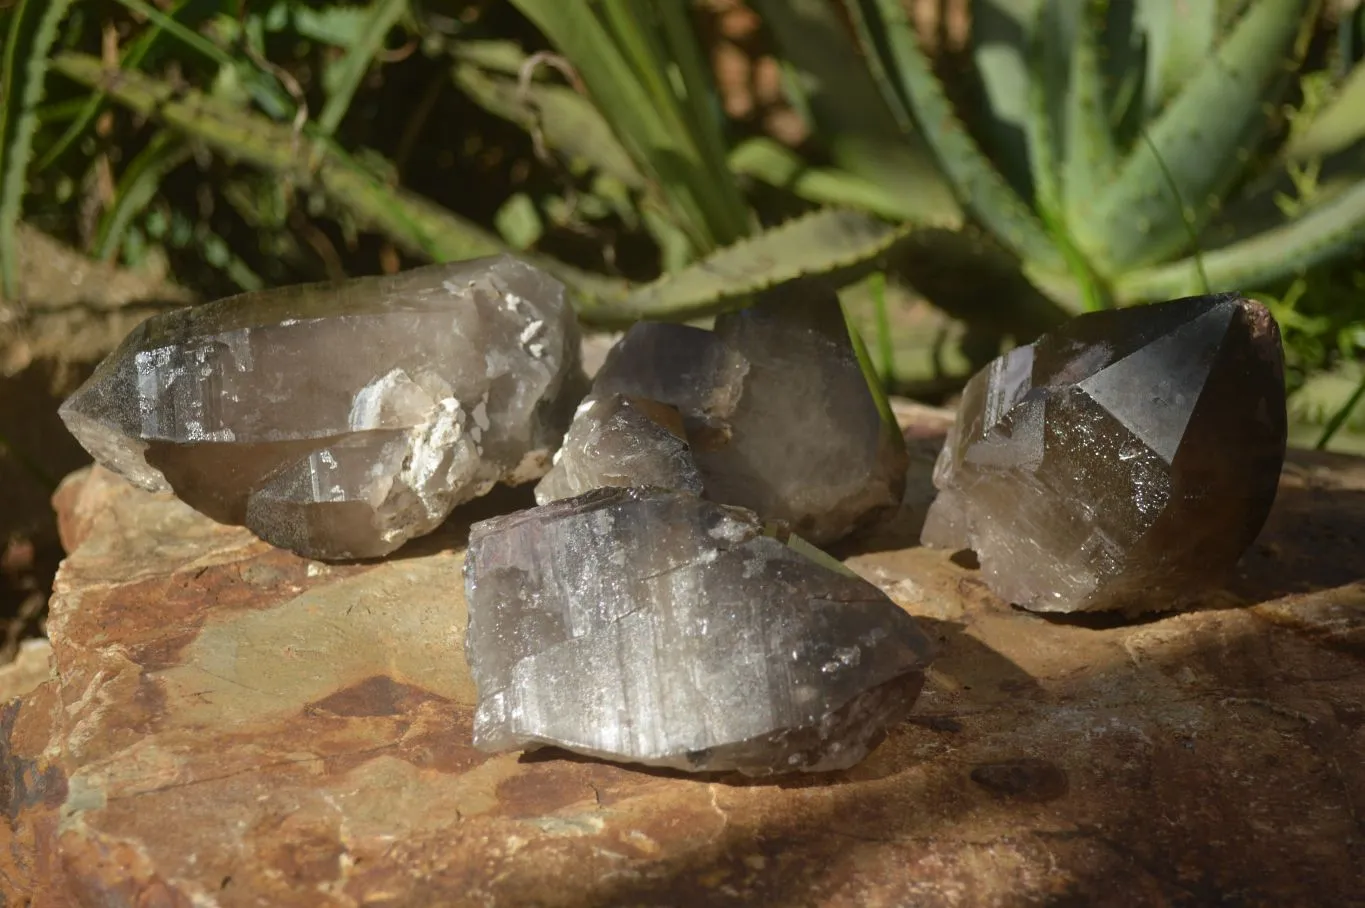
(1123, 462)
(650, 626)
(777, 415)
(621, 442)
(340, 420)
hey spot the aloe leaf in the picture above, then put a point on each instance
(632, 92)
(832, 245)
(777, 165)
(566, 122)
(852, 119)
(1090, 156)
(417, 224)
(32, 31)
(1332, 229)
(1005, 36)
(345, 77)
(1337, 126)
(975, 181)
(1200, 138)
(137, 187)
(1180, 37)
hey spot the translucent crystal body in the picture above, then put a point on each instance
(650, 626)
(1124, 461)
(340, 420)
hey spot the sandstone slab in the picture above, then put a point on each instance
(230, 724)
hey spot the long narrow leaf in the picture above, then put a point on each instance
(263, 89)
(1201, 138)
(1335, 228)
(1180, 37)
(701, 201)
(131, 58)
(831, 245)
(853, 120)
(137, 187)
(32, 30)
(1090, 157)
(381, 16)
(1022, 63)
(977, 184)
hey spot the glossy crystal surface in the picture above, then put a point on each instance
(1123, 462)
(340, 420)
(650, 626)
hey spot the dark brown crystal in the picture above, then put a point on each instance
(1123, 462)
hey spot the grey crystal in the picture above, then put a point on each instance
(622, 442)
(777, 413)
(649, 626)
(340, 420)
(1123, 462)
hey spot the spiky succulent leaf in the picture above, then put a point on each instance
(1333, 228)
(1180, 36)
(1197, 145)
(852, 119)
(1338, 125)
(833, 245)
(975, 180)
(1090, 156)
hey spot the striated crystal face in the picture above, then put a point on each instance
(623, 442)
(1123, 462)
(777, 415)
(649, 626)
(340, 420)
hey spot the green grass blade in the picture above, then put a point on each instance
(32, 31)
(832, 245)
(1201, 137)
(653, 132)
(1340, 416)
(263, 88)
(976, 182)
(381, 16)
(131, 58)
(137, 187)
(1332, 229)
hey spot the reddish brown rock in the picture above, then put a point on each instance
(233, 725)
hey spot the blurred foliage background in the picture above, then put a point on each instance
(966, 173)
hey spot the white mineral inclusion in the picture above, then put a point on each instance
(340, 420)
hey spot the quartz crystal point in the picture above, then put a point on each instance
(777, 415)
(1123, 462)
(340, 420)
(650, 626)
(622, 442)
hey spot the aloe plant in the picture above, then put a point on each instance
(1117, 133)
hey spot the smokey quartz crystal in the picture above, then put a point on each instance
(340, 420)
(1123, 462)
(649, 626)
(776, 411)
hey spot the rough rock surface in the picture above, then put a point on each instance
(1122, 462)
(309, 731)
(341, 420)
(652, 627)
